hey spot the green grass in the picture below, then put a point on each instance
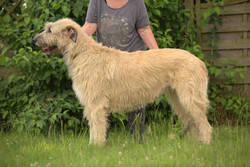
(161, 147)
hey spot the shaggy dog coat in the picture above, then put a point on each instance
(107, 80)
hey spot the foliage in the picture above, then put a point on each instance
(170, 23)
(39, 96)
(225, 105)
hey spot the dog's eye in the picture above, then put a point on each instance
(49, 30)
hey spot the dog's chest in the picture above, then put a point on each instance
(87, 89)
(80, 91)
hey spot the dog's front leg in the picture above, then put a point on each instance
(98, 126)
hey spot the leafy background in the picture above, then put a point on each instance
(38, 97)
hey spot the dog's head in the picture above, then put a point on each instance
(56, 36)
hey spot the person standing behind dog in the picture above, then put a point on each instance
(124, 25)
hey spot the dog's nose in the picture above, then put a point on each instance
(34, 39)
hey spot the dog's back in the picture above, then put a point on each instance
(136, 79)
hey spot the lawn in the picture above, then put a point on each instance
(161, 147)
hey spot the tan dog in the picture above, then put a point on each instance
(107, 80)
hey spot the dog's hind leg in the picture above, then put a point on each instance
(179, 111)
(194, 101)
(185, 129)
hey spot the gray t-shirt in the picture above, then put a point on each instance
(118, 27)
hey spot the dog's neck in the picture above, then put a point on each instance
(84, 49)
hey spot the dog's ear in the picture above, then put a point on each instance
(71, 31)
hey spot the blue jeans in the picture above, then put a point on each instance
(136, 121)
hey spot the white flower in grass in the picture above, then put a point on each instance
(34, 164)
(120, 153)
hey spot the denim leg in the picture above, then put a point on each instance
(136, 120)
(109, 121)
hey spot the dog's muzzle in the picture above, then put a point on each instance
(45, 49)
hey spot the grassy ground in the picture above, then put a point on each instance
(162, 147)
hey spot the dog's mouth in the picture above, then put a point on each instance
(48, 49)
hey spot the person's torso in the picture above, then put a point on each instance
(117, 27)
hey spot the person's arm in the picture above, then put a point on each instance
(148, 37)
(89, 28)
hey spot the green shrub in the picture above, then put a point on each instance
(39, 94)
